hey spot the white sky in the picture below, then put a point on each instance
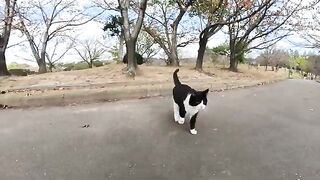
(93, 30)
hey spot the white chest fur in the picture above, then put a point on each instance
(192, 110)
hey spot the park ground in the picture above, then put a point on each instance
(109, 83)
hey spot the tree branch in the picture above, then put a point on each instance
(142, 9)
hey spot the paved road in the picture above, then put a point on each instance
(264, 133)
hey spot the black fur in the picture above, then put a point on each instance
(193, 121)
(181, 92)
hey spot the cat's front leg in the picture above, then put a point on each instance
(193, 124)
(176, 112)
(182, 113)
(181, 120)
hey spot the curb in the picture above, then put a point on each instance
(84, 96)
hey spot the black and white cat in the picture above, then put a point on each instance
(187, 102)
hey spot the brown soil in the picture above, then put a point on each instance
(112, 75)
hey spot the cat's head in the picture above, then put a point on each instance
(199, 99)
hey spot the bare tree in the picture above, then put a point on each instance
(165, 27)
(131, 32)
(211, 11)
(6, 25)
(58, 51)
(90, 51)
(309, 26)
(279, 58)
(265, 58)
(42, 21)
(271, 19)
(215, 15)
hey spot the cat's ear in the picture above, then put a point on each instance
(206, 91)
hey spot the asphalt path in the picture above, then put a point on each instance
(265, 133)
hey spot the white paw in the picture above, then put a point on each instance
(176, 119)
(181, 121)
(193, 131)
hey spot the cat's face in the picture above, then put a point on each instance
(199, 99)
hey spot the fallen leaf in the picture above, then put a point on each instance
(4, 106)
(86, 126)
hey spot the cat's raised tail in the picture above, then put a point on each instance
(175, 78)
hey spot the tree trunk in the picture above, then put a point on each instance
(42, 65)
(42, 68)
(233, 63)
(266, 67)
(202, 48)
(132, 61)
(90, 64)
(3, 65)
(233, 58)
(120, 52)
(131, 38)
(174, 57)
(232, 45)
(173, 46)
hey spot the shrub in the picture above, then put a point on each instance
(97, 63)
(20, 72)
(138, 56)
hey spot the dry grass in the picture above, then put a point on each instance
(112, 74)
